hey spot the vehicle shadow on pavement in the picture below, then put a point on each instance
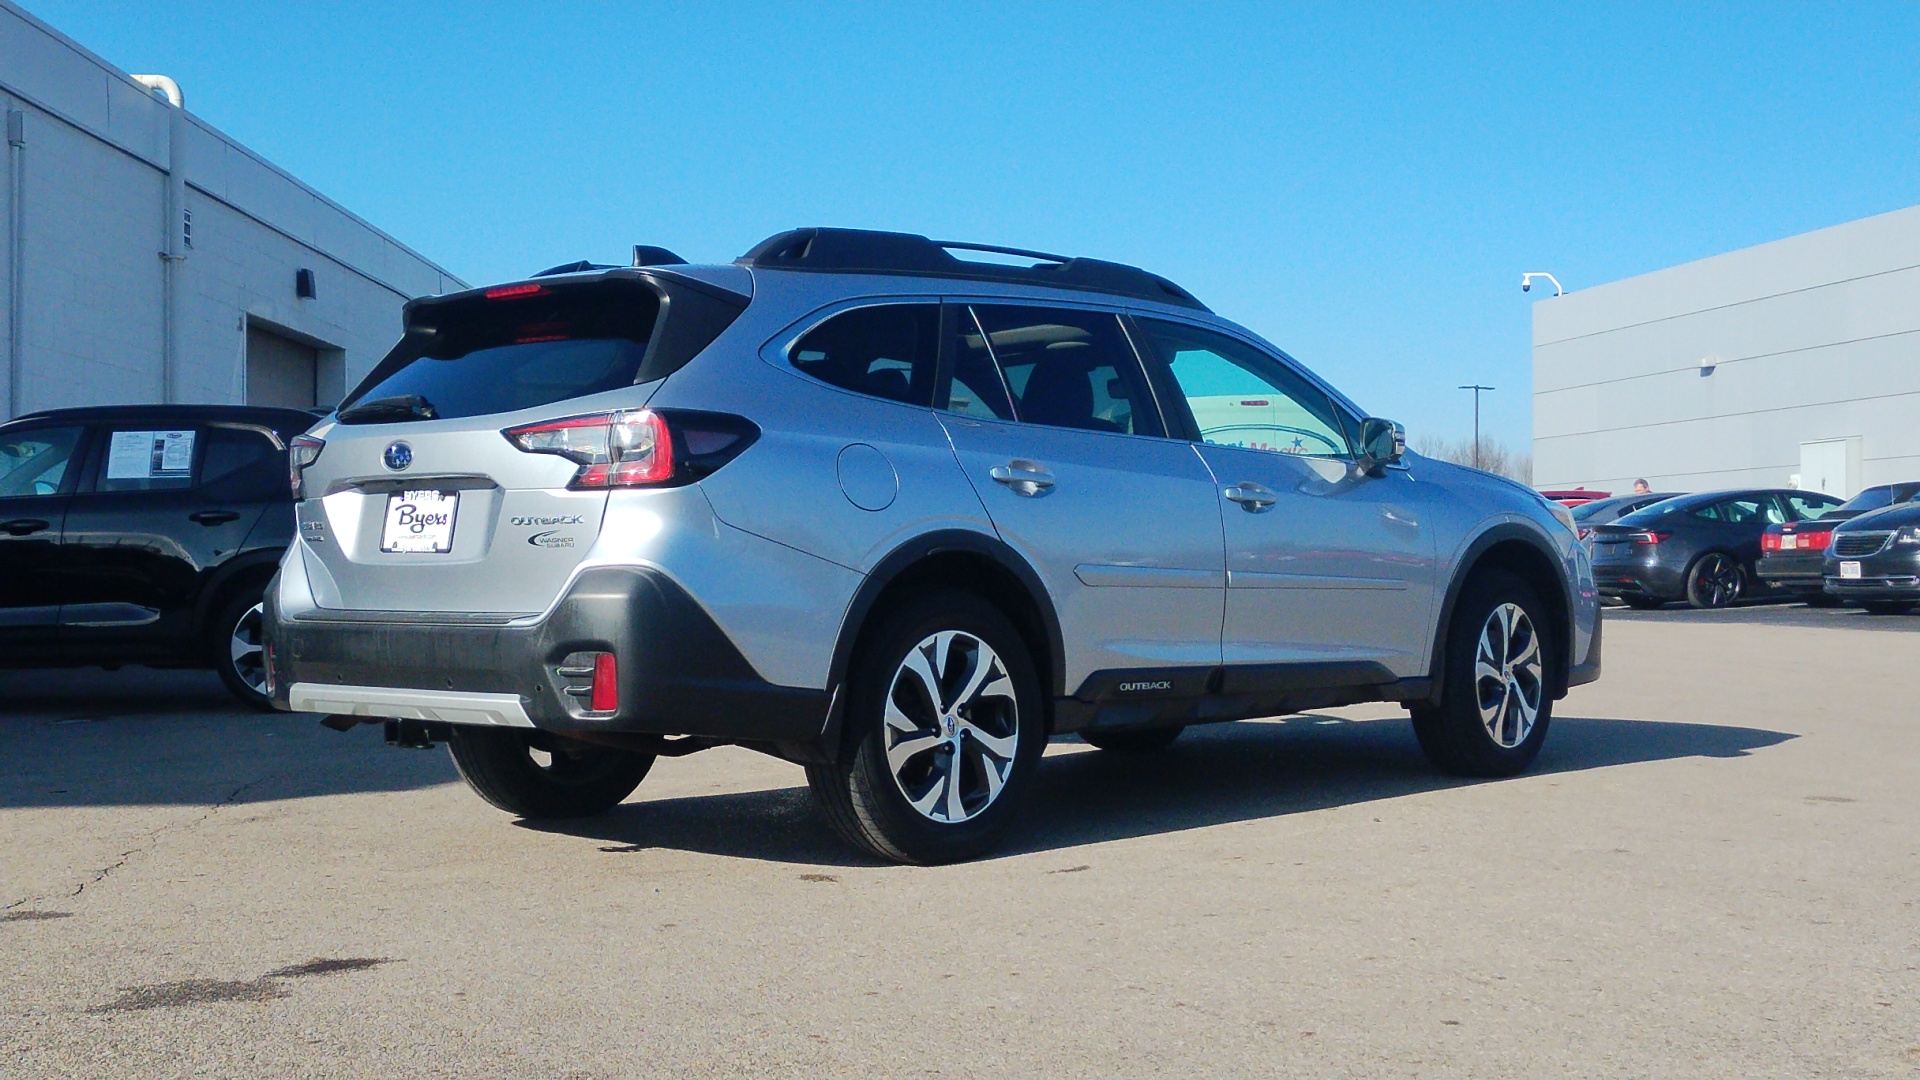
(1213, 775)
(176, 738)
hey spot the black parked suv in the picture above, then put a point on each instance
(143, 534)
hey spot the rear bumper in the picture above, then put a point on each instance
(679, 674)
(1798, 572)
(1639, 578)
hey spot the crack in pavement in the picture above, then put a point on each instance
(152, 840)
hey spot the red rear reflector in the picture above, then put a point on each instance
(512, 292)
(606, 684)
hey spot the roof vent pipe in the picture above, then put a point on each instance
(165, 85)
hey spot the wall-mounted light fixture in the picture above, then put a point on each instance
(1707, 364)
(303, 286)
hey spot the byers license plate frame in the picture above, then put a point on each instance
(419, 522)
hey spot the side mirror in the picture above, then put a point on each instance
(1382, 442)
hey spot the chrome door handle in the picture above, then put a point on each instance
(1251, 496)
(1027, 478)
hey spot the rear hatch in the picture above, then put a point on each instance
(419, 497)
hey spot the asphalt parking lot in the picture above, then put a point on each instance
(1713, 871)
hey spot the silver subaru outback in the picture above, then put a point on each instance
(899, 514)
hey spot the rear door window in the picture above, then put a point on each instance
(886, 351)
(1068, 368)
(35, 461)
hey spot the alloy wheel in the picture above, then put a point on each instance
(1718, 581)
(952, 726)
(1507, 675)
(247, 652)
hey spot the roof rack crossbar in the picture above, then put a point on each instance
(865, 251)
(957, 245)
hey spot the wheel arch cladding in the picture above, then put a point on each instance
(1515, 550)
(963, 560)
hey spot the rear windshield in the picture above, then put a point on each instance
(523, 346)
(1587, 510)
(1871, 499)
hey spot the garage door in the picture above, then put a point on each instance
(280, 371)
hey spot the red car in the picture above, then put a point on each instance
(1571, 497)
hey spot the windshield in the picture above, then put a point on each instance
(517, 348)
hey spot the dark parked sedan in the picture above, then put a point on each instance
(1875, 559)
(1699, 548)
(1587, 516)
(1793, 553)
(143, 535)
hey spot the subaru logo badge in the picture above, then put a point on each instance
(398, 456)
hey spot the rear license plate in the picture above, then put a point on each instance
(419, 521)
(1788, 543)
(1849, 569)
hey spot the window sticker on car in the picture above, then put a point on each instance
(150, 455)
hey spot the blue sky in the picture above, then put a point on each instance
(1363, 184)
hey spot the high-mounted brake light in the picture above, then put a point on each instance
(303, 451)
(514, 292)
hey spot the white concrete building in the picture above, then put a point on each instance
(1794, 362)
(150, 258)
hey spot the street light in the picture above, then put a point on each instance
(1476, 388)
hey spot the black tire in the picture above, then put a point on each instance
(1888, 607)
(860, 793)
(578, 780)
(1715, 580)
(1136, 741)
(1644, 603)
(236, 649)
(1455, 735)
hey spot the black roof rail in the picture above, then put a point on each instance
(871, 252)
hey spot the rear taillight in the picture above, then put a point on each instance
(1649, 537)
(623, 449)
(639, 447)
(1585, 532)
(1817, 541)
(303, 451)
(606, 684)
(1770, 541)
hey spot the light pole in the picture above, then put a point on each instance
(1476, 388)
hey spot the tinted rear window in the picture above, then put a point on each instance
(477, 356)
(1871, 499)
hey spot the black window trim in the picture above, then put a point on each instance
(943, 383)
(1350, 414)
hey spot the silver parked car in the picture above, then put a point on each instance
(897, 515)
